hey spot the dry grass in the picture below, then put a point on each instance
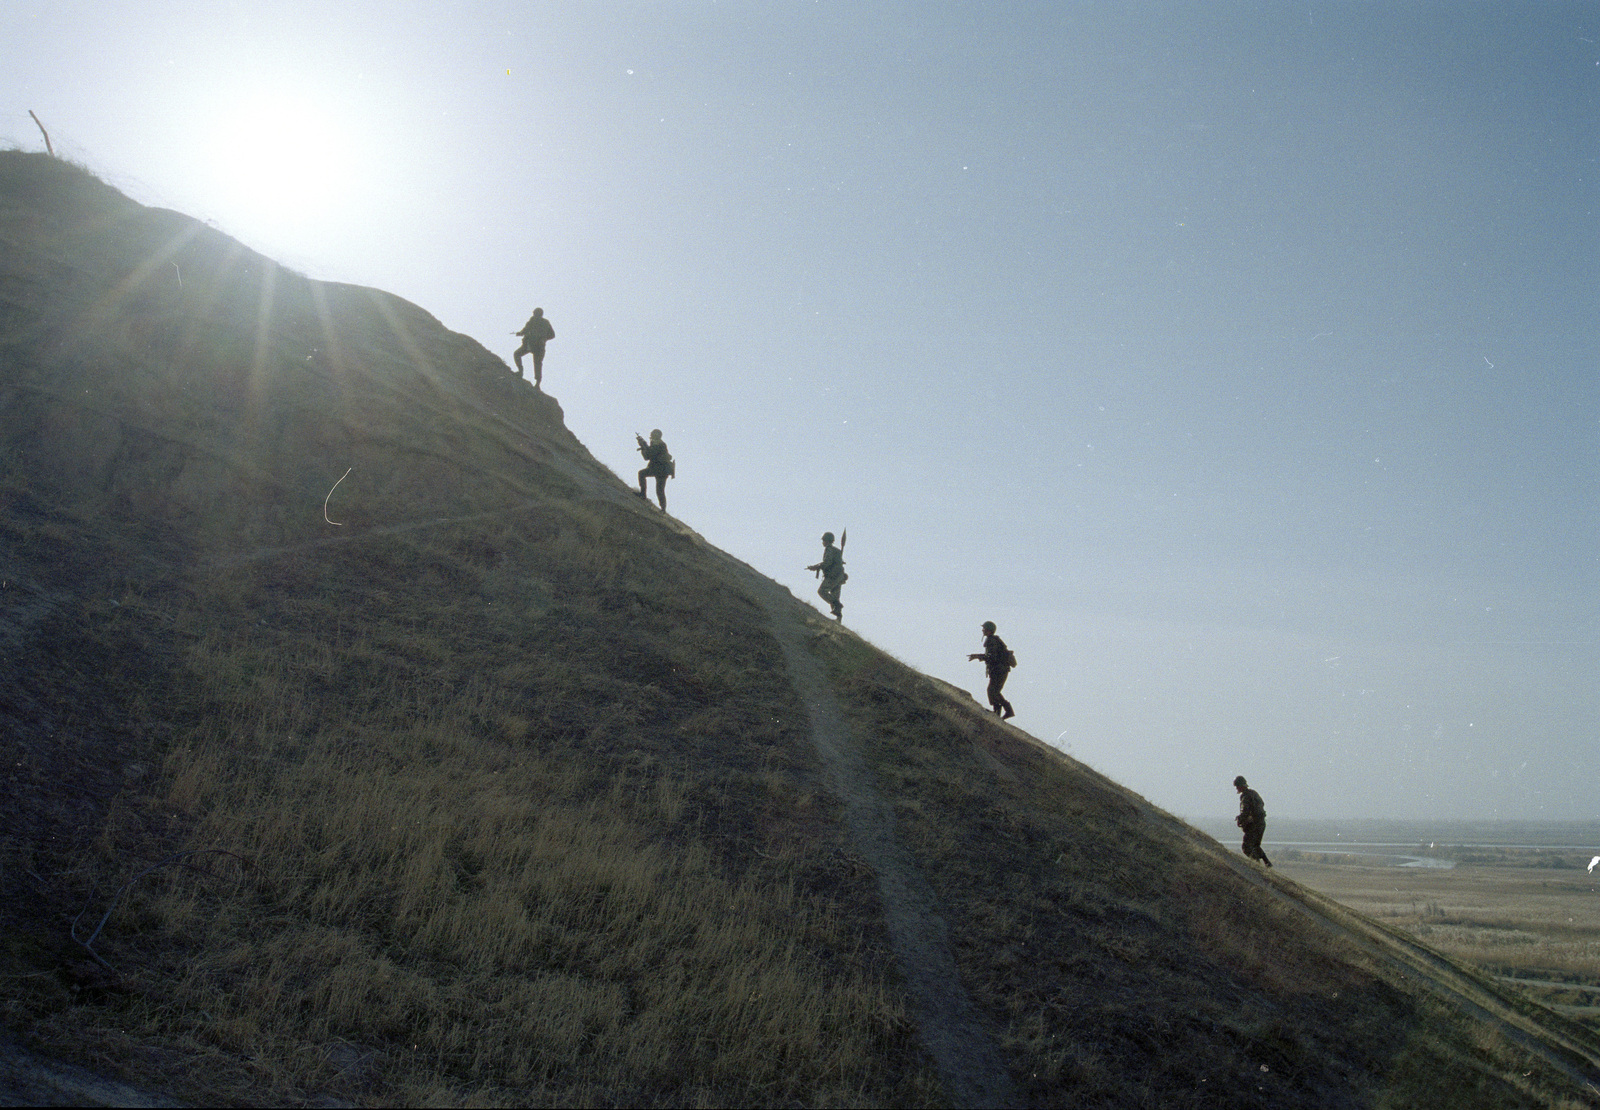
(486, 862)
(515, 935)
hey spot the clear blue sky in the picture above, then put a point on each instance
(1239, 359)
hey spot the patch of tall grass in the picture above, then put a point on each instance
(511, 925)
(520, 825)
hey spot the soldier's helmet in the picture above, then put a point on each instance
(827, 537)
(538, 312)
(988, 627)
(1239, 781)
(655, 433)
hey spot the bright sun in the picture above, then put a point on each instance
(283, 158)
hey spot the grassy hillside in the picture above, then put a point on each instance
(501, 786)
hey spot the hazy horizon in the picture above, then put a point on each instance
(1241, 361)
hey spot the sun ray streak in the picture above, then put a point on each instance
(208, 291)
(332, 346)
(264, 312)
(111, 304)
(134, 282)
(397, 327)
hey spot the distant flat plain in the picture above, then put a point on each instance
(1516, 900)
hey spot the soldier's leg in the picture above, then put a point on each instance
(643, 474)
(538, 363)
(661, 491)
(829, 592)
(1004, 707)
(1252, 843)
(517, 354)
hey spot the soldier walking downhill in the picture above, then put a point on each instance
(833, 576)
(1252, 819)
(998, 661)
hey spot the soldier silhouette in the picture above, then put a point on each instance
(1252, 819)
(658, 464)
(833, 576)
(998, 661)
(535, 334)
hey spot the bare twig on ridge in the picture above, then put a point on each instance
(46, 134)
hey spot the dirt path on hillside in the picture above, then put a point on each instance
(950, 1028)
(1577, 1061)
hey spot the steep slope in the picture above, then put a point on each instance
(502, 786)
